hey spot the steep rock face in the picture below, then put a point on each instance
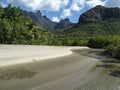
(40, 20)
(98, 14)
(47, 23)
(64, 24)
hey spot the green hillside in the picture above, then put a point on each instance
(15, 29)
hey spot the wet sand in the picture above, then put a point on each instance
(78, 71)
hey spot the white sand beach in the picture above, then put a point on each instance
(17, 54)
(25, 67)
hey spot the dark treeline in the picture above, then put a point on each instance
(111, 43)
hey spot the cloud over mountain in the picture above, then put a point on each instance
(55, 19)
(65, 8)
(78, 5)
(93, 3)
(49, 5)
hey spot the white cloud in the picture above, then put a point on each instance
(65, 7)
(66, 13)
(77, 5)
(49, 5)
(111, 3)
(92, 3)
(55, 19)
(65, 2)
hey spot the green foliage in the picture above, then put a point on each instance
(111, 43)
(15, 29)
(12, 12)
(1, 12)
(113, 51)
(104, 41)
(98, 42)
(84, 31)
(92, 33)
(79, 43)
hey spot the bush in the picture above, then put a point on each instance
(111, 43)
(113, 51)
(79, 43)
(98, 42)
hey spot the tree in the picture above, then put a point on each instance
(12, 12)
(5, 34)
(1, 11)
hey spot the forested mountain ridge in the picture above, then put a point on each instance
(64, 24)
(40, 20)
(97, 21)
(15, 26)
(101, 26)
(45, 22)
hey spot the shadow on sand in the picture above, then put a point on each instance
(18, 73)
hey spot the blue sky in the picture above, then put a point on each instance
(60, 9)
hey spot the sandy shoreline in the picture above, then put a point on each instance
(78, 71)
(17, 54)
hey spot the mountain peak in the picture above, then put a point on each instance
(46, 22)
(64, 23)
(99, 6)
(98, 14)
(67, 19)
(39, 13)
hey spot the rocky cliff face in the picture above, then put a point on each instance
(47, 23)
(64, 24)
(99, 14)
(40, 20)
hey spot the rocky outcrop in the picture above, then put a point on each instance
(40, 20)
(63, 24)
(99, 14)
(47, 23)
